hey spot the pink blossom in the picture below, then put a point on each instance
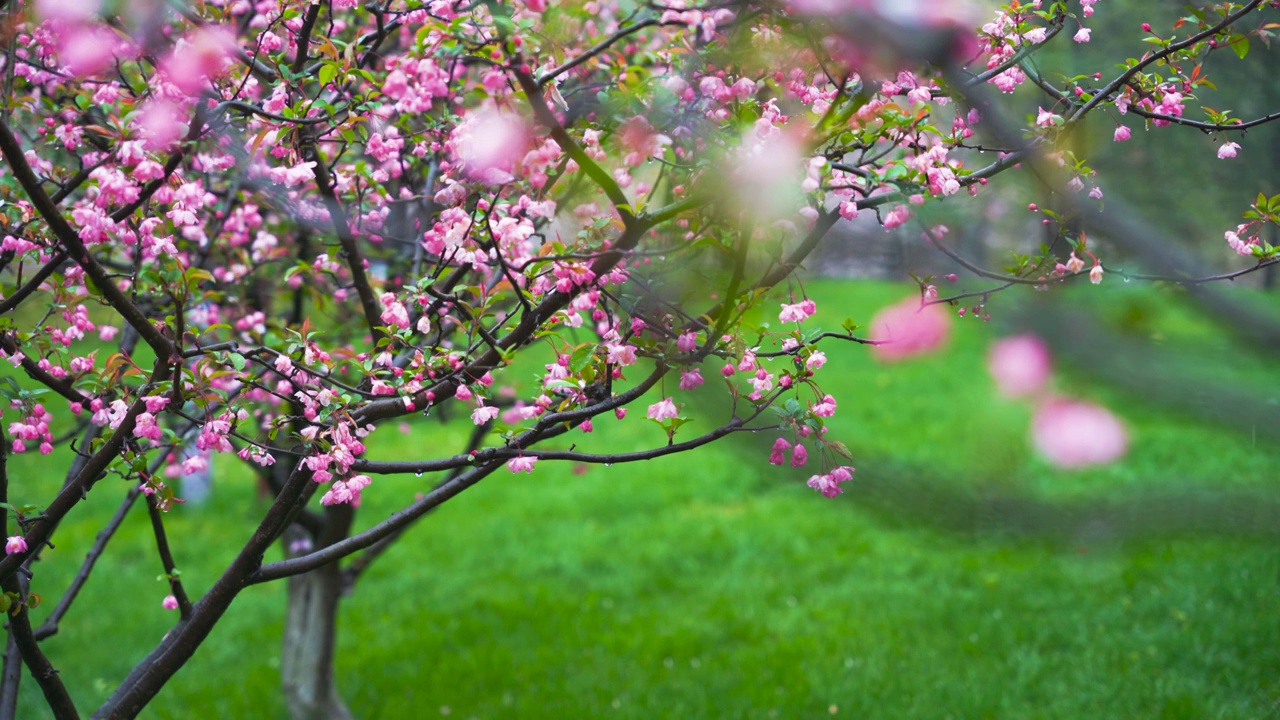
(826, 408)
(169, 603)
(799, 456)
(848, 209)
(829, 483)
(155, 403)
(1122, 133)
(1020, 365)
(907, 329)
(1228, 150)
(687, 342)
(896, 217)
(1082, 35)
(1044, 118)
(1075, 433)
(15, 545)
(780, 447)
(523, 463)
(1095, 275)
(620, 354)
(663, 410)
(1074, 264)
(483, 414)
(793, 313)
(690, 379)
(816, 360)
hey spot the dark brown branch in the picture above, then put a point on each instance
(42, 671)
(166, 557)
(449, 489)
(355, 261)
(523, 440)
(1206, 126)
(304, 36)
(10, 680)
(353, 571)
(337, 551)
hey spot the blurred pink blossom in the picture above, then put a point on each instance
(1074, 433)
(199, 56)
(72, 11)
(488, 142)
(161, 123)
(87, 49)
(907, 329)
(1020, 365)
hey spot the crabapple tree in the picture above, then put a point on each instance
(258, 232)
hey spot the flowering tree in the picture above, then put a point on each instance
(263, 230)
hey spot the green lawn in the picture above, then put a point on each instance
(959, 577)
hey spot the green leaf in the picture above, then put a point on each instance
(581, 358)
(1240, 44)
(328, 72)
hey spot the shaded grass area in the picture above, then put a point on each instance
(960, 576)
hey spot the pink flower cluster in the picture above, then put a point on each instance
(346, 491)
(829, 483)
(34, 430)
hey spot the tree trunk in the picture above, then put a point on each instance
(310, 639)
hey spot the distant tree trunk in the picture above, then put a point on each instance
(310, 640)
(311, 621)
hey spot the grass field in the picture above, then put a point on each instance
(960, 576)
